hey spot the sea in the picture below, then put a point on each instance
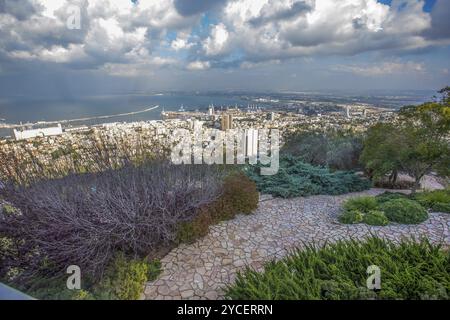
(32, 110)
(21, 109)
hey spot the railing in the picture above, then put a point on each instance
(8, 293)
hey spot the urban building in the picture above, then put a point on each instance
(226, 121)
(23, 134)
(252, 143)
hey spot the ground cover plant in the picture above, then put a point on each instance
(409, 270)
(297, 178)
(375, 218)
(404, 211)
(379, 210)
(387, 196)
(438, 200)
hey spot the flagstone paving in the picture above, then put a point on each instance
(202, 270)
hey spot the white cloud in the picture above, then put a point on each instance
(382, 69)
(111, 31)
(120, 31)
(55, 54)
(181, 42)
(324, 27)
(216, 43)
(198, 65)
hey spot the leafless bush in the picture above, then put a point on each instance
(26, 162)
(85, 219)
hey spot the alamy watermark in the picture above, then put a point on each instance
(73, 21)
(74, 280)
(234, 146)
(374, 280)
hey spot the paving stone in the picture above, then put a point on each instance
(201, 270)
(198, 280)
(187, 294)
(163, 290)
(211, 295)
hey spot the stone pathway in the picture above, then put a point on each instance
(201, 270)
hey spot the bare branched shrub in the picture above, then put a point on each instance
(25, 162)
(85, 219)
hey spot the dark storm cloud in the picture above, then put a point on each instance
(297, 9)
(191, 7)
(20, 9)
(440, 23)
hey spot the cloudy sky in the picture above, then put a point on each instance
(125, 45)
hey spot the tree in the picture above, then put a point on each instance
(338, 150)
(419, 142)
(381, 155)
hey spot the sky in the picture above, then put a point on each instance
(126, 46)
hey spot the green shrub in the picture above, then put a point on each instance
(409, 270)
(43, 288)
(441, 207)
(124, 280)
(386, 196)
(296, 178)
(81, 295)
(438, 200)
(356, 209)
(375, 218)
(8, 209)
(351, 217)
(154, 270)
(363, 204)
(404, 211)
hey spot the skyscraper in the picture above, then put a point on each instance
(226, 122)
(211, 110)
(348, 112)
(252, 145)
